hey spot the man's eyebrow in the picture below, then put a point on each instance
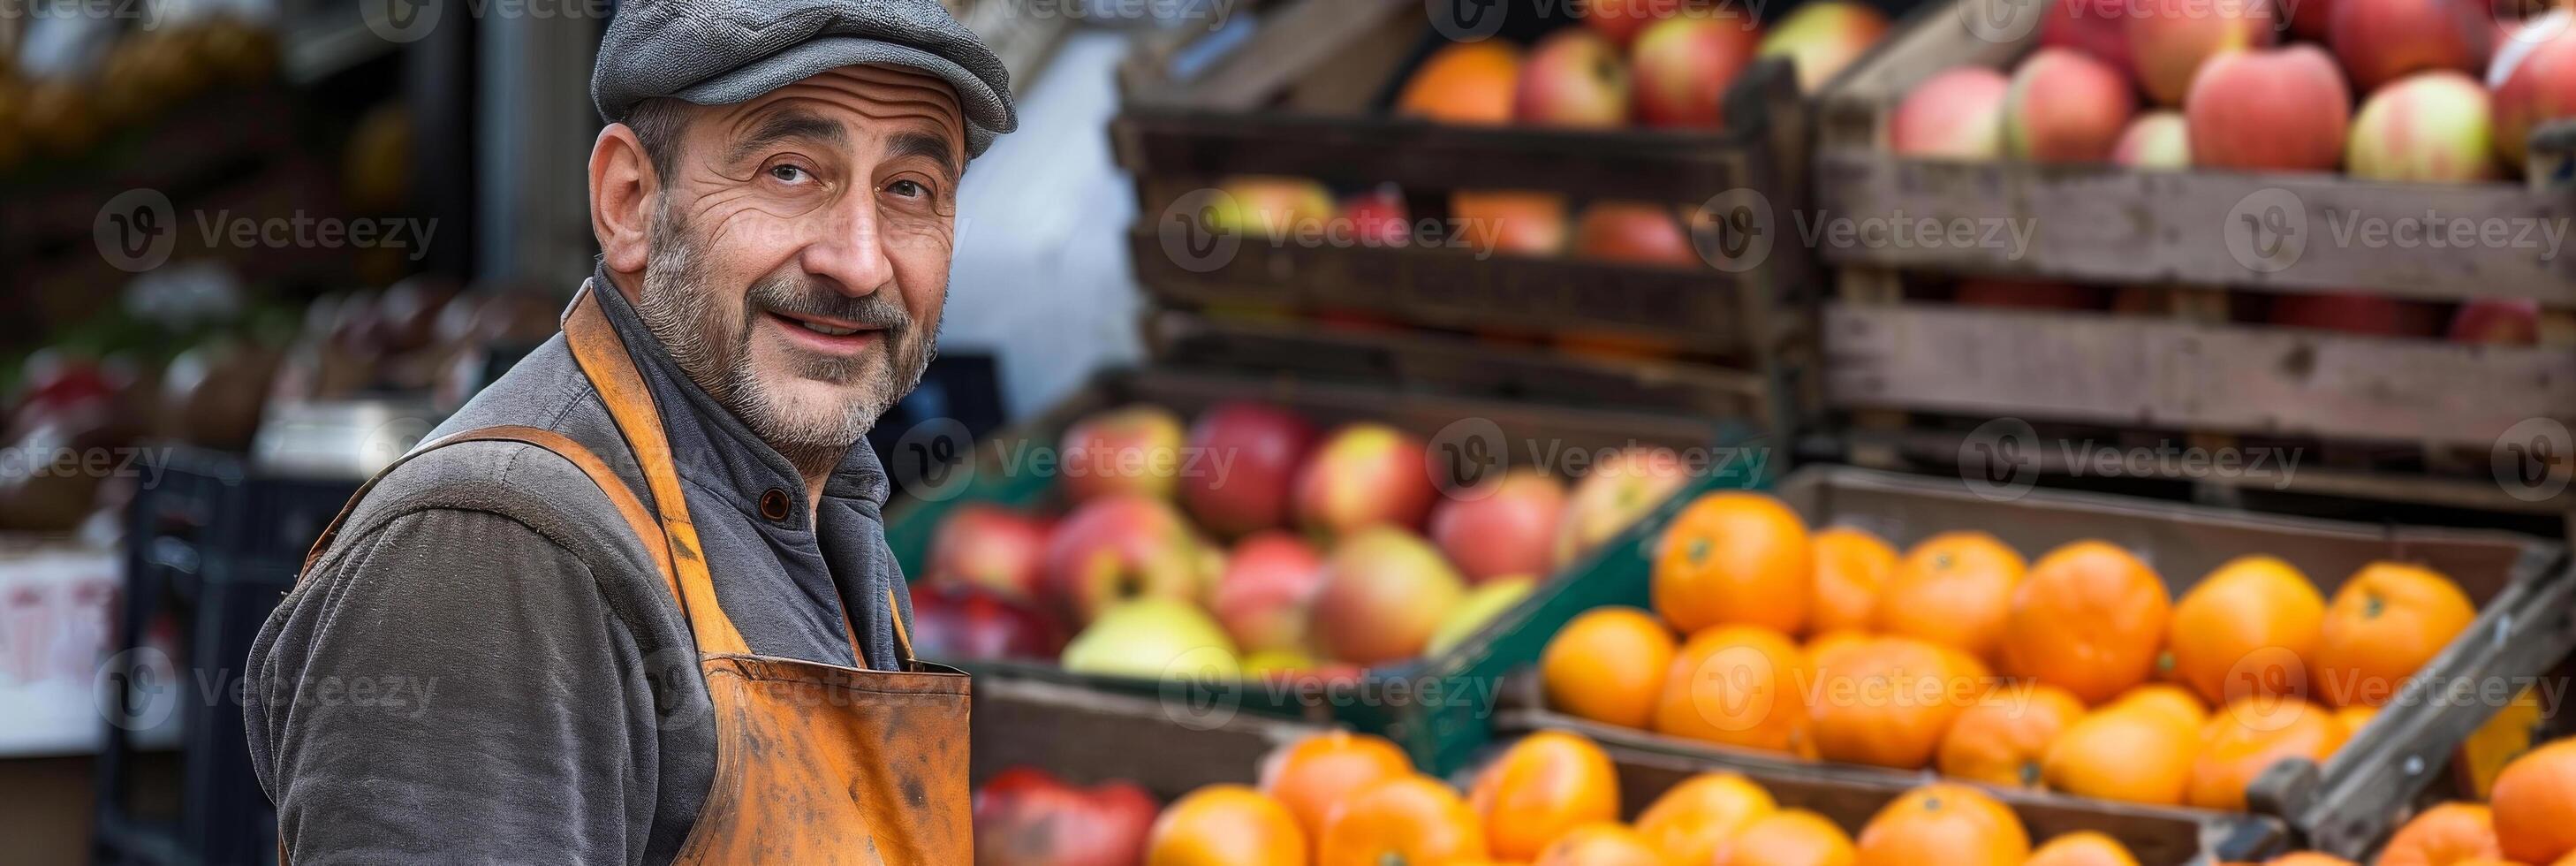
(789, 124)
(938, 148)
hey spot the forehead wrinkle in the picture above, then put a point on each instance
(759, 129)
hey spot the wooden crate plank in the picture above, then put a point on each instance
(2130, 370)
(1681, 167)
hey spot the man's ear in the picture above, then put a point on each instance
(622, 187)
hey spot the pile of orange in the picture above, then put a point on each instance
(1552, 799)
(2529, 819)
(2074, 672)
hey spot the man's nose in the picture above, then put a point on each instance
(850, 247)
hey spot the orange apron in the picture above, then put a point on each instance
(815, 763)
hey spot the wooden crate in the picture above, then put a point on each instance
(2414, 421)
(1304, 95)
(2521, 586)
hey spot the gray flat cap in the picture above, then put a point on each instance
(720, 52)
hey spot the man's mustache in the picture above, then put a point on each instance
(792, 296)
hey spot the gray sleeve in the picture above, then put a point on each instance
(452, 688)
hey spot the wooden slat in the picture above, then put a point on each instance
(2115, 225)
(1293, 41)
(2129, 370)
(1453, 288)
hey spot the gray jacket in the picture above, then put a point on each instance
(486, 666)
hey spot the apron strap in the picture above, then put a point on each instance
(590, 465)
(611, 371)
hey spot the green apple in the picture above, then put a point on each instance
(1154, 637)
(1487, 601)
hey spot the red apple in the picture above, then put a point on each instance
(1957, 114)
(2026, 294)
(2501, 321)
(1377, 218)
(2429, 126)
(2155, 140)
(1271, 208)
(1508, 529)
(962, 621)
(1025, 816)
(1823, 37)
(1684, 65)
(2534, 80)
(2352, 313)
(1364, 473)
(2280, 109)
(2099, 28)
(2064, 106)
(2170, 39)
(2380, 41)
(1511, 222)
(1385, 591)
(1574, 79)
(2312, 19)
(1131, 449)
(1619, 20)
(1633, 232)
(993, 547)
(1120, 547)
(1269, 582)
(1244, 458)
(1613, 495)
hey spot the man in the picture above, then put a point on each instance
(633, 604)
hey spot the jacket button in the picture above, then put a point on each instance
(773, 504)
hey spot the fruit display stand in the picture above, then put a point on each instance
(1088, 737)
(1437, 707)
(2520, 585)
(1849, 800)
(1304, 94)
(2395, 419)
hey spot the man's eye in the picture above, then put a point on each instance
(908, 188)
(787, 173)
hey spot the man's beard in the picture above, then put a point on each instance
(715, 350)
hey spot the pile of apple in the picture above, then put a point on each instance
(1339, 551)
(2448, 90)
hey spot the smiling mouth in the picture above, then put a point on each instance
(829, 335)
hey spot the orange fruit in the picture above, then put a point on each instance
(2004, 736)
(2248, 627)
(1689, 821)
(2535, 803)
(1851, 566)
(1313, 775)
(1946, 823)
(2486, 861)
(2175, 702)
(2441, 836)
(2137, 753)
(1602, 843)
(1411, 820)
(1952, 589)
(2383, 625)
(2307, 858)
(1740, 685)
(1607, 665)
(1226, 825)
(2083, 848)
(2089, 617)
(1546, 784)
(2247, 736)
(1734, 558)
(1464, 82)
(2353, 718)
(1827, 641)
(1789, 837)
(1887, 701)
